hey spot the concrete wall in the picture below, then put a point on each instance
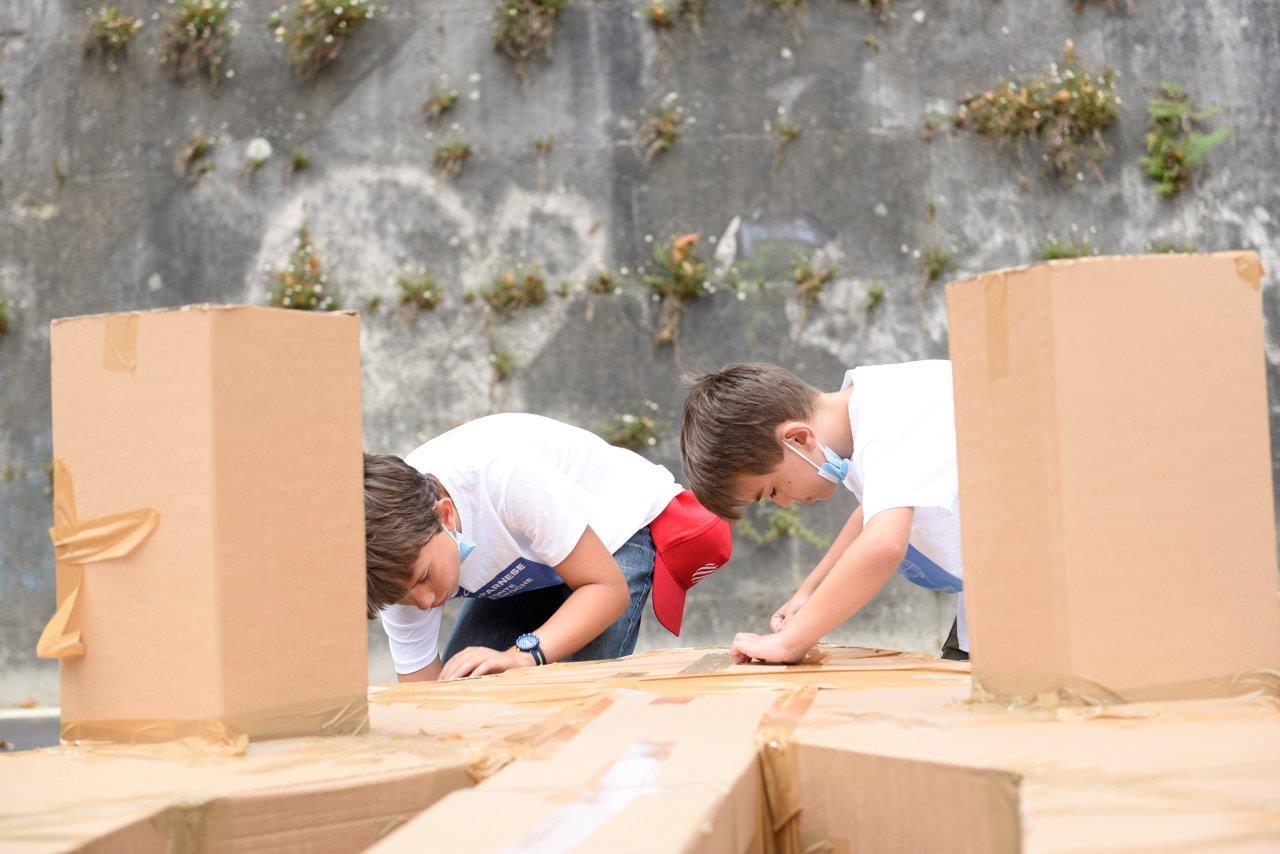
(120, 231)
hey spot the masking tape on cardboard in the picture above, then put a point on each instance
(539, 740)
(1078, 691)
(613, 790)
(228, 734)
(782, 794)
(1249, 268)
(993, 288)
(120, 343)
(76, 543)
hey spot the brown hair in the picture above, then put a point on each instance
(728, 430)
(399, 517)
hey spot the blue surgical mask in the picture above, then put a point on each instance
(465, 546)
(835, 469)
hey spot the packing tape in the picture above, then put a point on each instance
(782, 796)
(1249, 268)
(1078, 691)
(993, 288)
(539, 740)
(228, 734)
(120, 343)
(590, 808)
(76, 543)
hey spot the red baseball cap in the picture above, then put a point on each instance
(691, 543)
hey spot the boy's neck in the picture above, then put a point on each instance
(831, 421)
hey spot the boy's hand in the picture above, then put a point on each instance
(480, 660)
(780, 617)
(776, 649)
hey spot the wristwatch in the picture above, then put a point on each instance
(529, 643)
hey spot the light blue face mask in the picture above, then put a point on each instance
(835, 469)
(465, 546)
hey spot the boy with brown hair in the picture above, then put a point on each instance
(754, 431)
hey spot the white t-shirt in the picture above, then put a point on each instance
(526, 488)
(904, 455)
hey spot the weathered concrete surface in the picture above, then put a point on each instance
(122, 232)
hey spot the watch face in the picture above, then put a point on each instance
(526, 642)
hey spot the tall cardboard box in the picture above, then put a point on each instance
(209, 522)
(1115, 478)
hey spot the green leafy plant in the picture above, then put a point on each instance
(659, 129)
(504, 364)
(1175, 146)
(191, 162)
(934, 261)
(542, 145)
(196, 39)
(1066, 109)
(679, 276)
(787, 133)
(779, 523)
(875, 295)
(521, 28)
(439, 103)
(451, 156)
(303, 283)
(514, 290)
(634, 430)
(6, 318)
(110, 32)
(299, 161)
(810, 281)
(1168, 247)
(1053, 249)
(317, 31)
(418, 289)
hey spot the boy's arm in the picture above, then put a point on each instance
(853, 580)
(599, 597)
(426, 674)
(843, 540)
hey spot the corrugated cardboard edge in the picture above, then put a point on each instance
(1075, 691)
(1247, 262)
(203, 306)
(783, 799)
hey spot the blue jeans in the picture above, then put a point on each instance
(496, 623)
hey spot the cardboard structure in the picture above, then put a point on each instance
(208, 524)
(681, 751)
(1115, 478)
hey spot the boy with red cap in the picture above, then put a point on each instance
(553, 536)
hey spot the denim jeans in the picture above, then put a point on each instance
(496, 623)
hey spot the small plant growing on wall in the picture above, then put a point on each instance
(875, 295)
(603, 282)
(659, 129)
(6, 314)
(317, 31)
(196, 40)
(192, 160)
(787, 132)
(1054, 249)
(110, 32)
(668, 14)
(1169, 247)
(303, 283)
(440, 102)
(299, 161)
(811, 280)
(881, 9)
(451, 156)
(634, 430)
(679, 276)
(1175, 146)
(514, 290)
(504, 364)
(418, 289)
(1066, 109)
(779, 523)
(521, 28)
(934, 261)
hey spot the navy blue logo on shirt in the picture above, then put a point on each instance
(922, 572)
(521, 576)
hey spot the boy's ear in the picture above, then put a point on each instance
(797, 433)
(448, 513)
